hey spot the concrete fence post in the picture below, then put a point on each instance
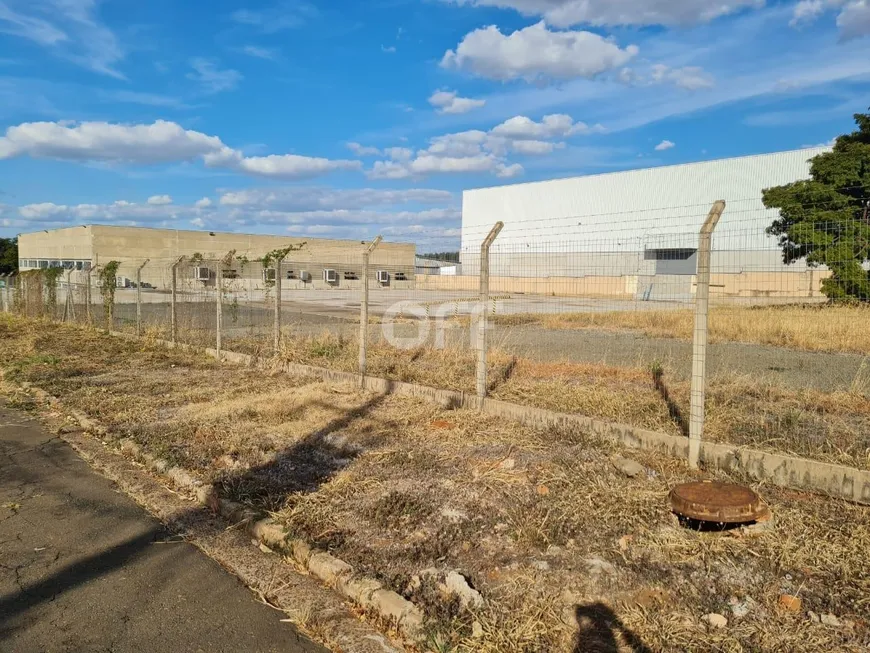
(5, 279)
(483, 307)
(219, 301)
(139, 298)
(219, 316)
(699, 347)
(69, 311)
(14, 297)
(88, 296)
(173, 309)
(364, 309)
(278, 299)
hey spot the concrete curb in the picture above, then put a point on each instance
(366, 592)
(839, 481)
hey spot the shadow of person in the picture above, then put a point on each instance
(599, 630)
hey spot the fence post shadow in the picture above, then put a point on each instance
(674, 410)
(599, 630)
(304, 465)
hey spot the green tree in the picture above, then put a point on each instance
(450, 257)
(824, 219)
(8, 255)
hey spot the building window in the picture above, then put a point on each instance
(55, 264)
(43, 264)
(69, 265)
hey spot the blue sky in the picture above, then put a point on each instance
(347, 119)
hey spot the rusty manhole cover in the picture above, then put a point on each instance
(714, 501)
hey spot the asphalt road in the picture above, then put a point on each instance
(83, 568)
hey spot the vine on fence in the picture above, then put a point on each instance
(30, 294)
(108, 282)
(49, 279)
(276, 256)
(36, 291)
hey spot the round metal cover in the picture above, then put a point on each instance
(714, 501)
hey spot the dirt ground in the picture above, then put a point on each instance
(567, 553)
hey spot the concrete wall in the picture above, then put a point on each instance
(798, 285)
(136, 243)
(131, 246)
(73, 243)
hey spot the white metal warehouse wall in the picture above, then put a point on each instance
(617, 216)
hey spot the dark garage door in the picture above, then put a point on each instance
(673, 261)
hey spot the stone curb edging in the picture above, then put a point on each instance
(839, 481)
(366, 592)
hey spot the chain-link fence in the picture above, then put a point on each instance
(635, 318)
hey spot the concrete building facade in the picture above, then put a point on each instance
(318, 264)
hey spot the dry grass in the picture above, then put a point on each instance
(742, 410)
(812, 328)
(538, 521)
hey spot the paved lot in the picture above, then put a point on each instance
(313, 312)
(83, 568)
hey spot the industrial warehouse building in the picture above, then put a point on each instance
(634, 234)
(319, 264)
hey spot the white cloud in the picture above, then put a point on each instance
(351, 216)
(565, 13)
(535, 147)
(348, 213)
(204, 203)
(159, 200)
(507, 171)
(281, 16)
(389, 49)
(536, 52)
(692, 78)
(558, 125)
(160, 142)
(278, 166)
(211, 78)
(69, 29)
(362, 150)
(42, 211)
(854, 20)
(399, 153)
(450, 102)
(313, 198)
(665, 145)
(260, 53)
(120, 211)
(477, 151)
(806, 11)
(829, 143)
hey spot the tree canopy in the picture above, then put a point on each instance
(824, 220)
(8, 255)
(450, 257)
